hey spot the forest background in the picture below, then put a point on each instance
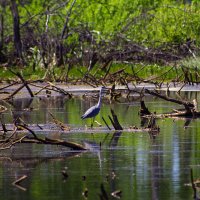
(70, 40)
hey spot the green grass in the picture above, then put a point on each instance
(186, 67)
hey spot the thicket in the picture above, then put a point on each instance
(76, 35)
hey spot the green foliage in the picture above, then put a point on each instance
(149, 21)
(94, 25)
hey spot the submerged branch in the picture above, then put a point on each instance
(184, 103)
(14, 139)
(190, 108)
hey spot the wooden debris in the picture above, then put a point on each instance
(113, 175)
(193, 185)
(61, 125)
(114, 120)
(61, 91)
(14, 139)
(143, 109)
(25, 83)
(65, 174)
(14, 93)
(113, 94)
(106, 123)
(18, 181)
(2, 109)
(117, 194)
(43, 88)
(190, 108)
(85, 193)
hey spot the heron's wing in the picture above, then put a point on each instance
(91, 112)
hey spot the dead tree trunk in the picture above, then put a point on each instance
(16, 29)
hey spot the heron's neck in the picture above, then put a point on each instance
(99, 102)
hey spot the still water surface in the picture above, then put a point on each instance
(141, 166)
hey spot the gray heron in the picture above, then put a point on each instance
(94, 110)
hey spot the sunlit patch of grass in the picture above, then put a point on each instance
(140, 70)
(191, 62)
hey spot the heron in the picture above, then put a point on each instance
(94, 110)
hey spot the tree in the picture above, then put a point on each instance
(2, 17)
(16, 29)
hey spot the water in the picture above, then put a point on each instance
(137, 164)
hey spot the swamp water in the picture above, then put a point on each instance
(138, 164)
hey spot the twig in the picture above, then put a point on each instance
(60, 90)
(11, 143)
(15, 92)
(187, 104)
(60, 124)
(193, 185)
(24, 82)
(106, 123)
(117, 194)
(36, 93)
(18, 181)
(31, 131)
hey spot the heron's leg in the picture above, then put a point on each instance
(92, 122)
(99, 124)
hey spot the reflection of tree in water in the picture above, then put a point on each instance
(156, 160)
(115, 138)
(113, 143)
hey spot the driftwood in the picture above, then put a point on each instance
(15, 139)
(143, 109)
(189, 110)
(61, 125)
(114, 121)
(117, 194)
(2, 109)
(17, 182)
(25, 83)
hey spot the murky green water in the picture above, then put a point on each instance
(141, 166)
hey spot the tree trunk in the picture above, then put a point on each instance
(2, 12)
(16, 29)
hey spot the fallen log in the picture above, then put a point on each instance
(190, 108)
(15, 139)
(184, 103)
